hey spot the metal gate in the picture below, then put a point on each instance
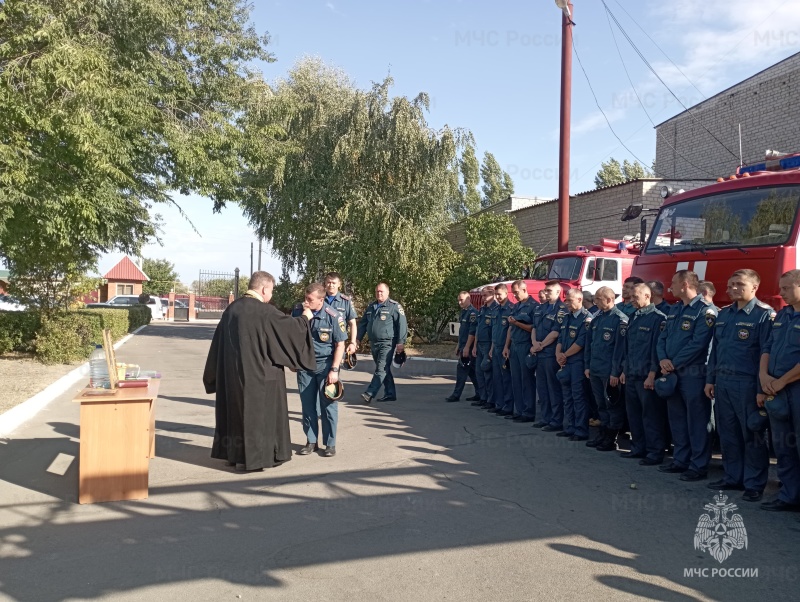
(213, 292)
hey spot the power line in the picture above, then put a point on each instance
(633, 87)
(654, 72)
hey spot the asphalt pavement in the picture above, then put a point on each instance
(425, 500)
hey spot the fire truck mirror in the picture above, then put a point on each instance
(632, 212)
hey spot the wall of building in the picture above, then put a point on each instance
(766, 105)
(109, 290)
(593, 215)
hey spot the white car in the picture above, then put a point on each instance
(10, 304)
(154, 303)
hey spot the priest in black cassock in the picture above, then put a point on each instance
(253, 343)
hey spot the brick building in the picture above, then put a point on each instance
(125, 278)
(766, 107)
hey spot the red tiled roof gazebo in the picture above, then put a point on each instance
(125, 278)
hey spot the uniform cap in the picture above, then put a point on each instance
(486, 364)
(350, 361)
(666, 385)
(465, 361)
(563, 376)
(335, 391)
(778, 406)
(757, 420)
(531, 361)
(399, 359)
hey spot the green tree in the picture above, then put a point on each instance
(107, 107)
(286, 292)
(471, 178)
(613, 172)
(162, 274)
(634, 171)
(497, 184)
(365, 187)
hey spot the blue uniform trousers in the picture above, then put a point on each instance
(501, 379)
(311, 387)
(523, 382)
(484, 379)
(610, 410)
(462, 374)
(576, 412)
(588, 395)
(647, 419)
(745, 455)
(382, 354)
(784, 438)
(551, 400)
(689, 411)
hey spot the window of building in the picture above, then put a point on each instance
(124, 289)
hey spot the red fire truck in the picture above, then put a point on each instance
(747, 220)
(586, 268)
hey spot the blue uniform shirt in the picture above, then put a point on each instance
(483, 333)
(500, 325)
(687, 334)
(626, 307)
(344, 305)
(784, 344)
(523, 312)
(740, 336)
(384, 322)
(663, 307)
(548, 318)
(468, 323)
(327, 329)
(636, 348)
(573, 332)
(601, 341)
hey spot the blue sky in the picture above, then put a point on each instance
(494, 68)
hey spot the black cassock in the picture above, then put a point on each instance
(252, 344)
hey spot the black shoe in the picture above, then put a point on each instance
(564, 434)
(474, 398)
(780, 506)
(751, 495)
(692, 475)
(504, 413)
(630, 454)
(607, 445)
(672, 469)
(650, 462)
(552, 429)
(307, 449)
(579, 438)
(389, 398)
(477, 402)
(540, 424)
(452, 398)
(367, 398)
(329, 452)
(593, 442)
(495, 410)
(486, 405)
(723, 485)
(522, 419)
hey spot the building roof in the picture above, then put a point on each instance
(126, 270)
(710, 98)
(5, 275)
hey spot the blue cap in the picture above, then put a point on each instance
(757, 420)
(486, 364)
(563, 376)
(666, 385)
(531, 361)
(778, 406)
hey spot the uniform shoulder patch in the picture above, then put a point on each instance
(623, 318)
(711, 317)
(623, 328)
(345, 297)
(400, 310)
(473, 317)
(391, 302)
(332, 312)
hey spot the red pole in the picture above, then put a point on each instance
(563, 151)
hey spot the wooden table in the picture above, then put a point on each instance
(118, 438)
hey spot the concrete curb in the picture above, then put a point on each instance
(20, 414)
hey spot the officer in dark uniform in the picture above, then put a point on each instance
(637, 368)
(569, 355)
(779, 374)
(344, 305)
(501, 376)
(468, 323)
(516, 349)
(683, 350)
(328, 331)
(601, 347)
(546, 328)
(625, 306)
(384, 321)
(657, 296)
(741, 333)
(480, 351)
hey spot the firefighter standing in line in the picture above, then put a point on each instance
(480, 351)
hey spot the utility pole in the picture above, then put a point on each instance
(566, 110)
(251, 259)
(259, 254)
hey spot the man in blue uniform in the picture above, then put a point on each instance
(517, 346)
(589, 304)
(569, 355)
(682, 350)
(480, 351)
(501, 377)
(328, 331)
(546, 328)
(384, 321)
(741, 333)
(601, 347)
(344, 305)
(657, 296)
(625, 306)
(468, 323)
(779, 373)
(637, 368)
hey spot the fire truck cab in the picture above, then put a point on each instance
(748, 220)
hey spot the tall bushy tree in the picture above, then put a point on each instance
(471, 178)
(611, 172)
(162, 276)
(497, 184)
(107, 106)
(365, 186)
